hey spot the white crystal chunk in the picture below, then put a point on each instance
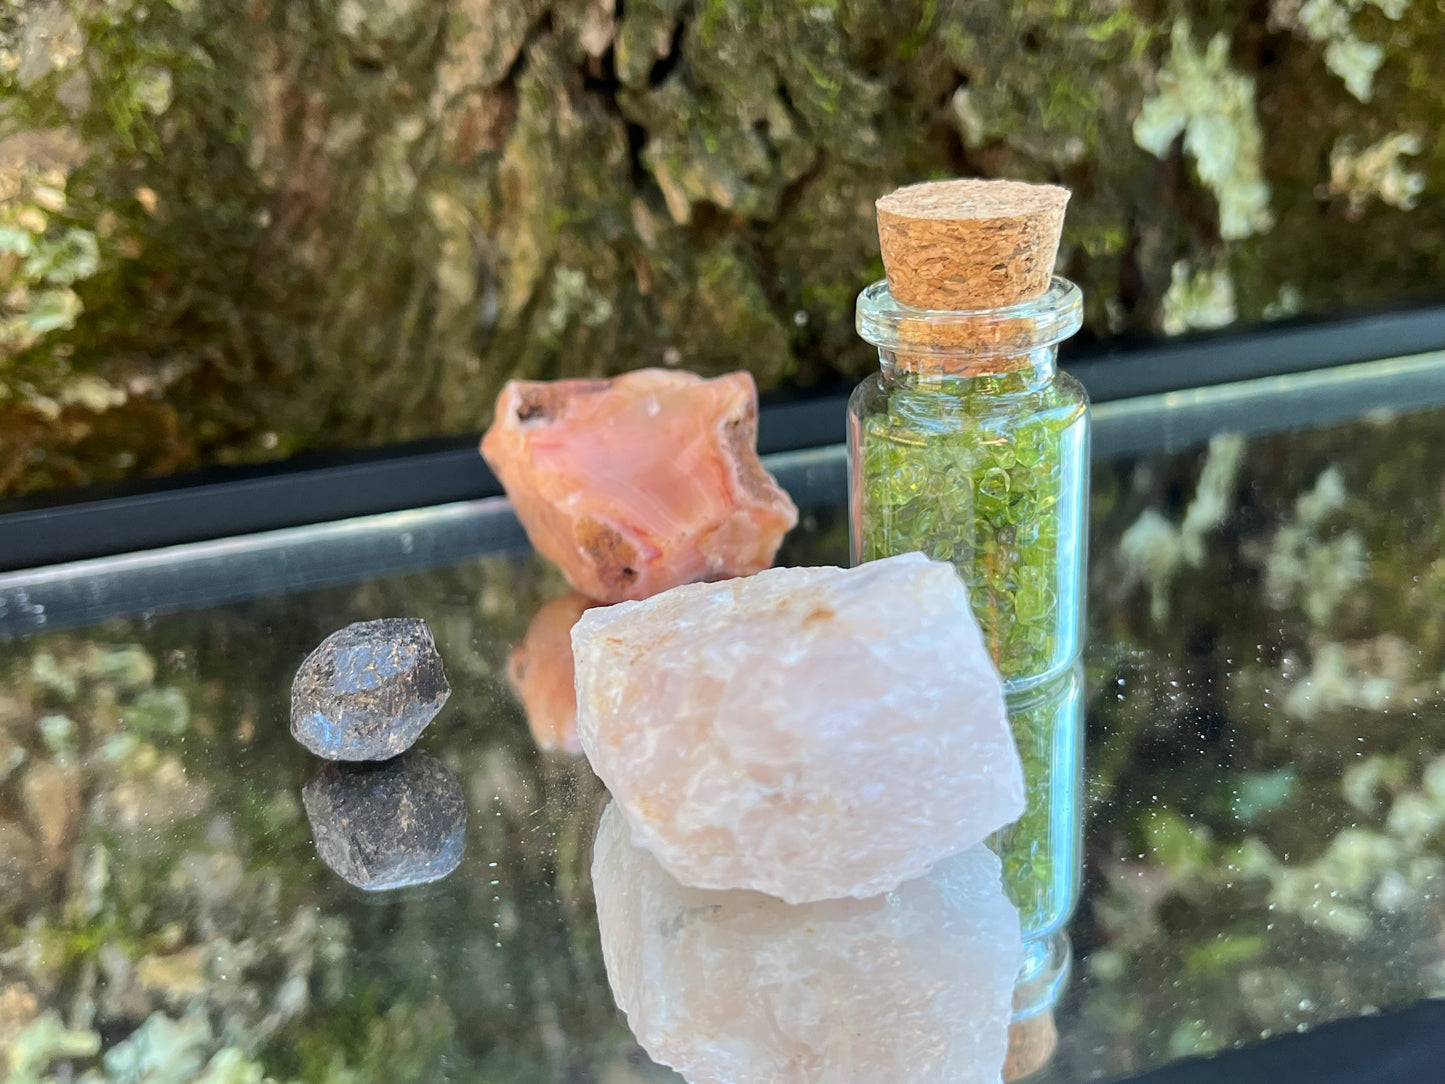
(810, 733)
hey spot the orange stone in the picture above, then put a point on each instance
(542, 672)
(640, 483)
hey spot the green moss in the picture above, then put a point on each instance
(43, 254)
(158, 713)
(370, 1044)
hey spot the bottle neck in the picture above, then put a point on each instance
(1010, 348)
(970, 372)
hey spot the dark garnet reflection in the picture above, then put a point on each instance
(388, 825)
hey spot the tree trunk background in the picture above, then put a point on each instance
(233, 230)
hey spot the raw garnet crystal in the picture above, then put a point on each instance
(369, 690)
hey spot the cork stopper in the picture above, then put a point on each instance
(1031, 1045)
(970, 244)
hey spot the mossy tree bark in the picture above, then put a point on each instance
(232, 231)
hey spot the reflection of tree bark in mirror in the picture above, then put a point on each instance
(187, 875)
(1248, 872)
(915, 985)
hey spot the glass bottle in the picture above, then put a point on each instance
(970, 445)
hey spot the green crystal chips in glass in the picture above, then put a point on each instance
(992, 481)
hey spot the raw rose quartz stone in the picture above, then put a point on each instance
(806, 732)
(541, 671)
(640, 483)
(915, 985)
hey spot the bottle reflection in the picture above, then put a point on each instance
(541, 672)
(387, 825)
(913, 986)
(1042, 850)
